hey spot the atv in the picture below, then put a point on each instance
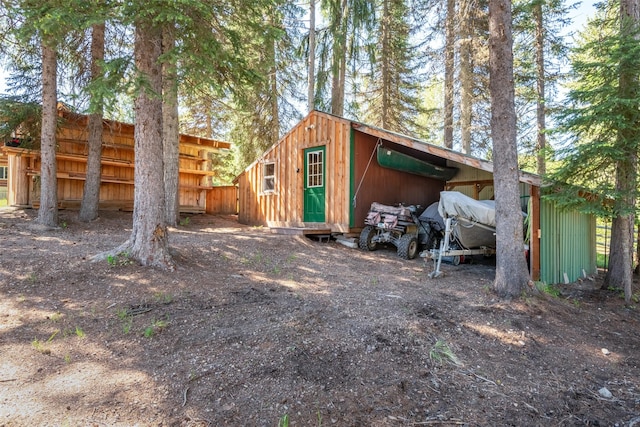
(400, 226)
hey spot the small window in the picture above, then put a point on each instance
(3, 172)
(269, 177)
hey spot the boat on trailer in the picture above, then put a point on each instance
(469, 229)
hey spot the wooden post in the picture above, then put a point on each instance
(18, 181)
(534, 244)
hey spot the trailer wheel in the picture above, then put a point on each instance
(366, 237)
(407, 246)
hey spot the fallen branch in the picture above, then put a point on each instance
(483, 378)
(184, 396)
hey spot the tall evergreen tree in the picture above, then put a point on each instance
(170, 126)
(449, 72)
(602, 122)
(511, 268)
(540, 50)
(91, 191)
(391, 97)
(628, 142)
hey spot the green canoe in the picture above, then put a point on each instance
(392, 159)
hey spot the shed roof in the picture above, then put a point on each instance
(408, 141)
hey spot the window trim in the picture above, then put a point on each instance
(265, 177)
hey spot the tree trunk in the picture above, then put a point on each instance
(48, 212)
(170, 130)
(511, 278)
(540, 80)
(149, 237)
(620, 272)
(449, 69)
(273, 89)
(466, 75)
(312, 57)
(91, 193)
(385, 55)
(339, 60)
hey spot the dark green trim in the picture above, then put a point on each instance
(352, 173)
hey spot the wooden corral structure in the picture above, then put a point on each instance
(4, 173)
(325, 173)
(197, 194)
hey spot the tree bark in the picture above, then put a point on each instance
(385, 55)
(312, 57)
(540, 83)
(339, 59)
(449, 70)
(48, 212)
(273, 89)
(170, 130)
(511, 278)
(149, 238)
(466, 76)
(91, 193)
(620, 272)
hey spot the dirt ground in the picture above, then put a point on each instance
(255, 328)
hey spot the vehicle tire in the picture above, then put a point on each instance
(407, 246)
(366, 237)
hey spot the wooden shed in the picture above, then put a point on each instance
(326, 172)
(196, 177)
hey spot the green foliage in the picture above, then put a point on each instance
(155, 327)
(284, 421)
(22, 119)
(548, 289)
(40, 346)
(391, 90)
(162, 298)
(120, 259)
(80, 333)
(441, 352)
(601, 122)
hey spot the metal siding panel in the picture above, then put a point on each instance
(567, 244)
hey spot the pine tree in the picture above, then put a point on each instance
(390, 99)
(91, 191)
(602, 122)
(511, 268)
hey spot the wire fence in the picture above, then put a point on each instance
(603, 241)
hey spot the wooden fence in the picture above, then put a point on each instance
(222, 200)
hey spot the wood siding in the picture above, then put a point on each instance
(222, 200)
(117, 185)
(387, 186)
(284, 207)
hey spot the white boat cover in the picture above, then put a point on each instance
(454, 204)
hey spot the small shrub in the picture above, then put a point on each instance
(441, 352)
(80, 333)
(40, 346)
(548, 289)
(284, 421)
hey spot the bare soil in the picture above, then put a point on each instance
(253, 327)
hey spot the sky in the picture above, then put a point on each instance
(580, 16)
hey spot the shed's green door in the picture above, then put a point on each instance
(314, 195)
